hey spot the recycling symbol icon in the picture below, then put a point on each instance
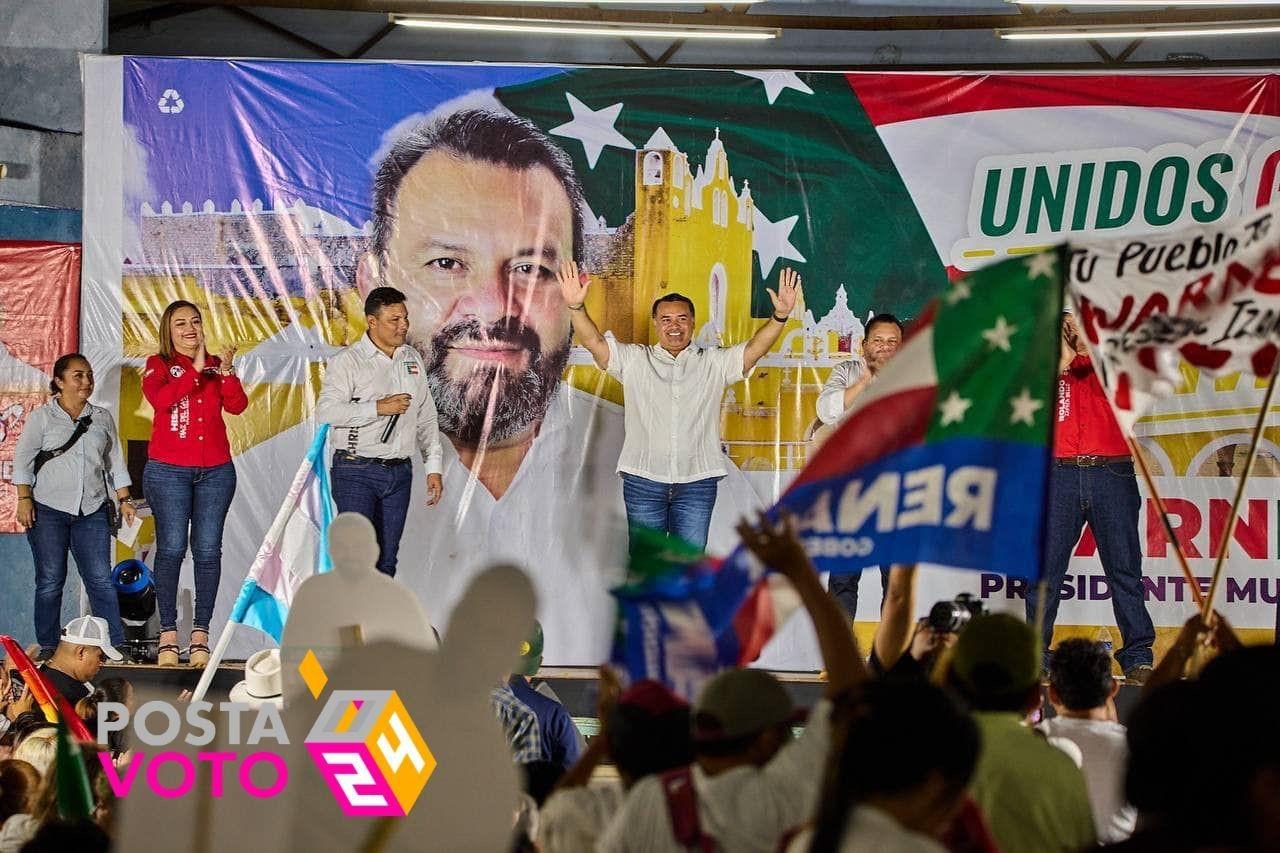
(170, 102)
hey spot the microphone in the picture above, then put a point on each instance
(390, 428)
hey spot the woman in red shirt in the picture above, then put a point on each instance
(189, 479)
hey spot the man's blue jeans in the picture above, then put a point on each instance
(844, 589)
(89, 539)
(682, 510)
(378, 492)
(1107, 498)
(188, 500)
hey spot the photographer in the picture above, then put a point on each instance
(898, 655)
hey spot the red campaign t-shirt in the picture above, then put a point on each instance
(1086, 425)
(188, 428)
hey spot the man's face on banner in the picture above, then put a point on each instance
(474, 247)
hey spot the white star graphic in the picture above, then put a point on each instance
(772, 240)
(1041, 264)
(953, 409)
(593, 128)
(998, 335)
(1024, 408)
(959, 291)
(776, 81)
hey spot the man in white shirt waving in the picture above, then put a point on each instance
(375, 395)
(671, 459)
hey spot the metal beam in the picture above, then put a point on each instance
(372, 41)
(669, 52)
(285, 33)
(151, 14)
(863, 23)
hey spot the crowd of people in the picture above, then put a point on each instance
(965, 749)
(943, 745)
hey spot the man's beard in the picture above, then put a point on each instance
(469, 409)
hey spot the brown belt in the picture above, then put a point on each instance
(1091, 461)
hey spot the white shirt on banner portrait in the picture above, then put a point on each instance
(672, 411)
(355, 379)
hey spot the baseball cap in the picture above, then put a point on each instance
(996, 654)
(90, 631)
(740, 702)
(652, 697)
(531, 651)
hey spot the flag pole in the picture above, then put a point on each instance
(1168, 526)
(1206, 606)
(215, 658)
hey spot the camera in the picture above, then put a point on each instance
(948, 617)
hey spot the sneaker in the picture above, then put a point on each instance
(1139, 674)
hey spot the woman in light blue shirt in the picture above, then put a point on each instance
(64, 505)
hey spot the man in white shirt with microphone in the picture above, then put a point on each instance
(376, 398)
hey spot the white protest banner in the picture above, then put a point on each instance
(1208, 295)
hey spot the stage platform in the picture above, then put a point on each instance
(575, 687)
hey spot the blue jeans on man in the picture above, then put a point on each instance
(190, 506)
(682, 510)
(378, 489)
(1105, 496)
(844, 589)
(89, 539)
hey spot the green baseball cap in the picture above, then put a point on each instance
(740, 702)
(996, 654)
(531, 652)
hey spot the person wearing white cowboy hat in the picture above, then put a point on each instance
(262, 683)
(84, 645)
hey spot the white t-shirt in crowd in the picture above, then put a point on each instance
(745, 809)
(572, 819)
(1105, 752)
(872, 831)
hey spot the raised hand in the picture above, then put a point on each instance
(202, 353)
(228, 353)
(573, 283)
(776, 543)
(784, 298)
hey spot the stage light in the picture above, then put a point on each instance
(136, 592)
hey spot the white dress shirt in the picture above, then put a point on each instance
(745, 809)
(672, 410)
(355, 379)
(831, 398)
(73, 482)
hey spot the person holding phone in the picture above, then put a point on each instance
(189, 478)
(68, 471)
(376, 397)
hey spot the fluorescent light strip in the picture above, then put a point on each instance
(566, 28)
(624, 2)
(1164, 4)
(1062, 34)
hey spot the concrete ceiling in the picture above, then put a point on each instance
(849, 34)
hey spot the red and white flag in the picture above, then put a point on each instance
(1208, 295)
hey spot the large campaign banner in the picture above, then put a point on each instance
(274, 194)
(39, 304)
